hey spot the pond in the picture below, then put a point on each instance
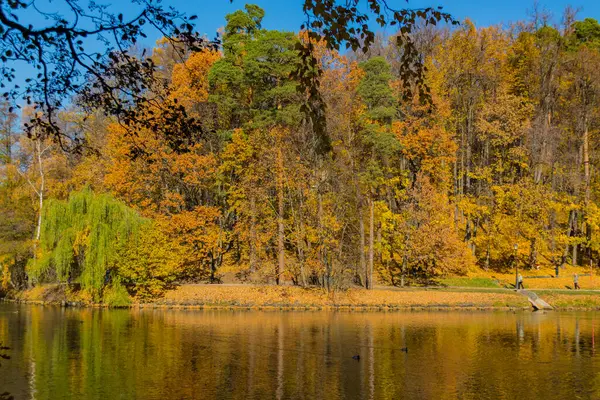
(59, 353)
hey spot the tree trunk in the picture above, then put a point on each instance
(371, 243)
(363, 257)
(587, 177)
(586, 161)
(40, 193)
(280, 227)
(322, 252)
(404, 266)
(474, 235)
(252, 232)
(469, 150)
(300, 245)
(551, 229)
(361, 228)
(575, 246)
(539, 167)
(456, 198)
(533, 254)
(213, 268)
(38, 229)
(569, 234)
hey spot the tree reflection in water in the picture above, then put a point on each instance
(156, 354)
(4, 356)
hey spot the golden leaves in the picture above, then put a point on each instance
(190, 79)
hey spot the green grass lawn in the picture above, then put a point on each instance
(469, 282)
(546, 292)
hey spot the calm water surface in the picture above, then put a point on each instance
(166, 354)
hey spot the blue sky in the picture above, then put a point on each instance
(287, 14)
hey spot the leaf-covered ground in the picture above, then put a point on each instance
(271, 296)
(468, 296)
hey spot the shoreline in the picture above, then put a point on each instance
(289, 298)
(299, 308)
(286, 307)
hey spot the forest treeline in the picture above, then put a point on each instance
(496, 165)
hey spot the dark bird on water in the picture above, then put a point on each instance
(404, 349)
(356, 357)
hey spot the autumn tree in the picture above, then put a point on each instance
(253, 92)
(581, 117)
(173, 183)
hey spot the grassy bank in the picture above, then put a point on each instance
(270, 296)
(484, 296)
(570, 299)
(247, 296)
(543, 278)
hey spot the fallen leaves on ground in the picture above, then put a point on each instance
(270, 296)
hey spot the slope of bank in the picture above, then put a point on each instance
(294, 297)
(288, 297)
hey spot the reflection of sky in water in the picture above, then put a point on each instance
(162, 354)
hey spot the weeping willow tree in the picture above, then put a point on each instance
(80, 237)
